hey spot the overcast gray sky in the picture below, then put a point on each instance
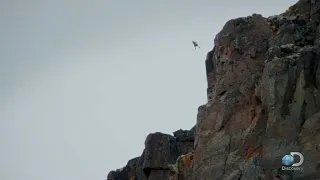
(82, 83)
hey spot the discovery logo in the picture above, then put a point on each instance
(289, 161)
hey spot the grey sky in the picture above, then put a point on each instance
(82, 83)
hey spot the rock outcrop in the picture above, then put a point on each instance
(263, 102)
(161, 151)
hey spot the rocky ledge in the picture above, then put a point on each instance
(263, 91)
(158, 158)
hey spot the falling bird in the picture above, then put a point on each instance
(195, 44)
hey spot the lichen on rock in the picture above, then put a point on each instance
(182, 169)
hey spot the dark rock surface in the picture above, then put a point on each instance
(185, 140)
(160, 151)
(263, 102)
(131, 171)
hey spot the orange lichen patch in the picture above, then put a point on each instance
(254, 115)
(248, 149)
(187, 160)
(254, 152)
(258, 152)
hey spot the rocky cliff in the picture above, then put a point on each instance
(263, 101)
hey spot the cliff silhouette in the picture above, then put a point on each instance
(263, 93)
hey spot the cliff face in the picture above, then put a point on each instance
(263, 101)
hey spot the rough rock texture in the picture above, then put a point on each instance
(160, 151)
(185, 140)
(183, 168)
(263, 102)
(263, 95)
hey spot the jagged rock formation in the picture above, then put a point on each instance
(263, 101)
(160, 151)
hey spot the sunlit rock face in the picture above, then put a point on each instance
(263, 92)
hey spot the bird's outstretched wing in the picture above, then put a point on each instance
(195, 44)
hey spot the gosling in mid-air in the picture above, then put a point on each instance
(195, 44)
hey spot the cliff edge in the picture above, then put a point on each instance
(263, 92)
